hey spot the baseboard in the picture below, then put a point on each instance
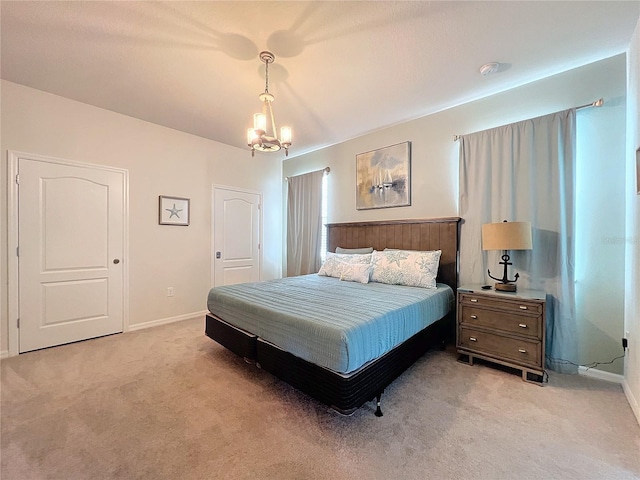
(164, 321)
(153, 323)
(600, 374)
(633, 402)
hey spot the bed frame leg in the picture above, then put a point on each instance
(378, 411)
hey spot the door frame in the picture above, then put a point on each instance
(213, 226)
(13, 337)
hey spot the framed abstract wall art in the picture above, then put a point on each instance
(638, 171)
(383, 177)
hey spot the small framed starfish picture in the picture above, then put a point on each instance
(173, 211)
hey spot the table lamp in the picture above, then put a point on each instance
(506, 236)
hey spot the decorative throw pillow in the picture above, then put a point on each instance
(354, 250)
(406, 267)
(356, 272)
(333, 264)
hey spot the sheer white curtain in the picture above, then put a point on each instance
(526, 172)
(304, 223)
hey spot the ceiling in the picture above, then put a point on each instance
(342, 69)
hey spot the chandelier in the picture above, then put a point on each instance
(258, 137)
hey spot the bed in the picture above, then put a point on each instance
(251, 321)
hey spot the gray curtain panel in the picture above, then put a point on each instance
(304, 223)
(526, 172)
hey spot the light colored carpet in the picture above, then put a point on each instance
(169, 403)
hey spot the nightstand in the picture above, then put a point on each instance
(507, 328)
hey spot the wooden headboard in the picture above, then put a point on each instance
(419, 234)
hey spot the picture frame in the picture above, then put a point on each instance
(173, 210)
(383, 177)
(638, 171)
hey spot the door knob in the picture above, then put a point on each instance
(116, 261)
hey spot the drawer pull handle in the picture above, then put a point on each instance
(474, 316)
(474, 300)
(473, 339)
(522, 325)
(522, 350)
(523, 307)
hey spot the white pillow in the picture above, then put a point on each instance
(406, 267)
(334, 263)
(356, 272)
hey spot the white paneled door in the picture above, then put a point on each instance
(236, 236)
(71, 244)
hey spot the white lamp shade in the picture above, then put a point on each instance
(285, 135)
(506, 236)
(260, 122)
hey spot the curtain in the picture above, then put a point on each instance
(526, 172)
(304, 223)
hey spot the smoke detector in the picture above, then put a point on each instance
(489, 68)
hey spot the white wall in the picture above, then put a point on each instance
(434, 165)
(160, 161)
(632, 282)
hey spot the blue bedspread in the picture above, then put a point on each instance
(338, 325)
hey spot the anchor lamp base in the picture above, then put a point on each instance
(505, 287)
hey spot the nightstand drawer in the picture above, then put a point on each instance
(514, 305)
(524, 352)
(499, 320)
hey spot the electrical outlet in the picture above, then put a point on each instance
(169, 291)
(624, 343)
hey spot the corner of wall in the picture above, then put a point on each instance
(631, 383)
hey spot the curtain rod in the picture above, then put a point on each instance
(325, 170)
(595, 103)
